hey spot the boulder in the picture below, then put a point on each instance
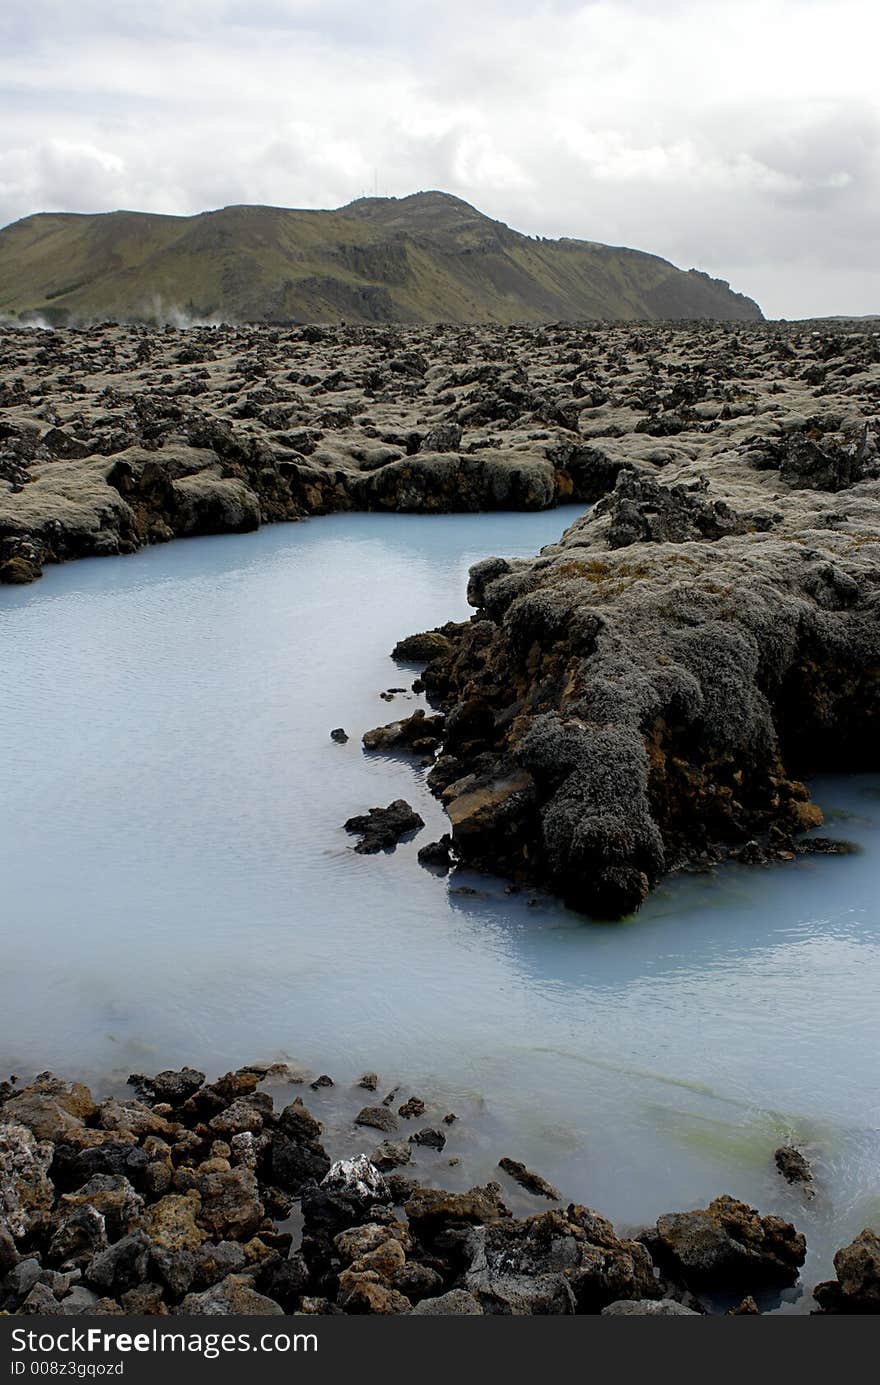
(555, 1262)
(234, 1295)
(856, 1289)
(172, 1222)
(25, 1188)
(418, 732)
(458, 1303)
(113, 1197)
(230, 1200)
(20, 1280)
(648, 1308)
(377, 1118)
(132, 1117)
(528, 1179)
(356, 1179)
(74, 1166)
(433, 1210)
(381, 829)
(286, 1281)
(728, 1245)
(391, 1154)
(78, 1236)
(121, 1266)
(793, 1166)
(421, 648)
(50, 1107)
(296, 1154)
(173, 1087)
(209, 503)
(214, 1260)
(359, 1243)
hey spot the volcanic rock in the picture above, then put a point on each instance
(382, 828)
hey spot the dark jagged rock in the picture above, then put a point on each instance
(377, 1118)
(382, 828)
(822, 460)
(857, 1286)
(421, 649)
(528, 1179)
(173, 1087)
(824, 846)
(121, 1266)
(648, 1308)
(792, 1165)
(640, 510)
(429, 1138)
(73, 1166)
(413, 1106)
(419, 733)
(285, 1282)
(437, 855)
(433, 1211)
(727, 1244)
(555, 1262)
(296, 1155)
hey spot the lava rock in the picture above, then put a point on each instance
(857, 1287)
(648, 1308)
(377, 1118)
(382, 828)
(526, 1178)
(792, 1165)
(728, 1244)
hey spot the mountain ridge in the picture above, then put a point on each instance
(418, 259)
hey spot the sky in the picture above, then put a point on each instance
(741, 137)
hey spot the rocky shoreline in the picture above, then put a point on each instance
(180, 1196)
(114, 437)
(649, 693)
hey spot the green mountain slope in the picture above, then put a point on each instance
(429, 257)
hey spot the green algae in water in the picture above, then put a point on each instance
(748, 1143)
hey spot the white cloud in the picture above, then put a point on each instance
(742, 136)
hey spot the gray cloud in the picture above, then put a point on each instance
(738, 136)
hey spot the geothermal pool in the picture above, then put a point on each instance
(176, 887)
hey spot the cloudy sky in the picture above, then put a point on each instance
(739, 136)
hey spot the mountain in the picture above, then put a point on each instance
(425, 258)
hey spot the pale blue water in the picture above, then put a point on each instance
(176, 887)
